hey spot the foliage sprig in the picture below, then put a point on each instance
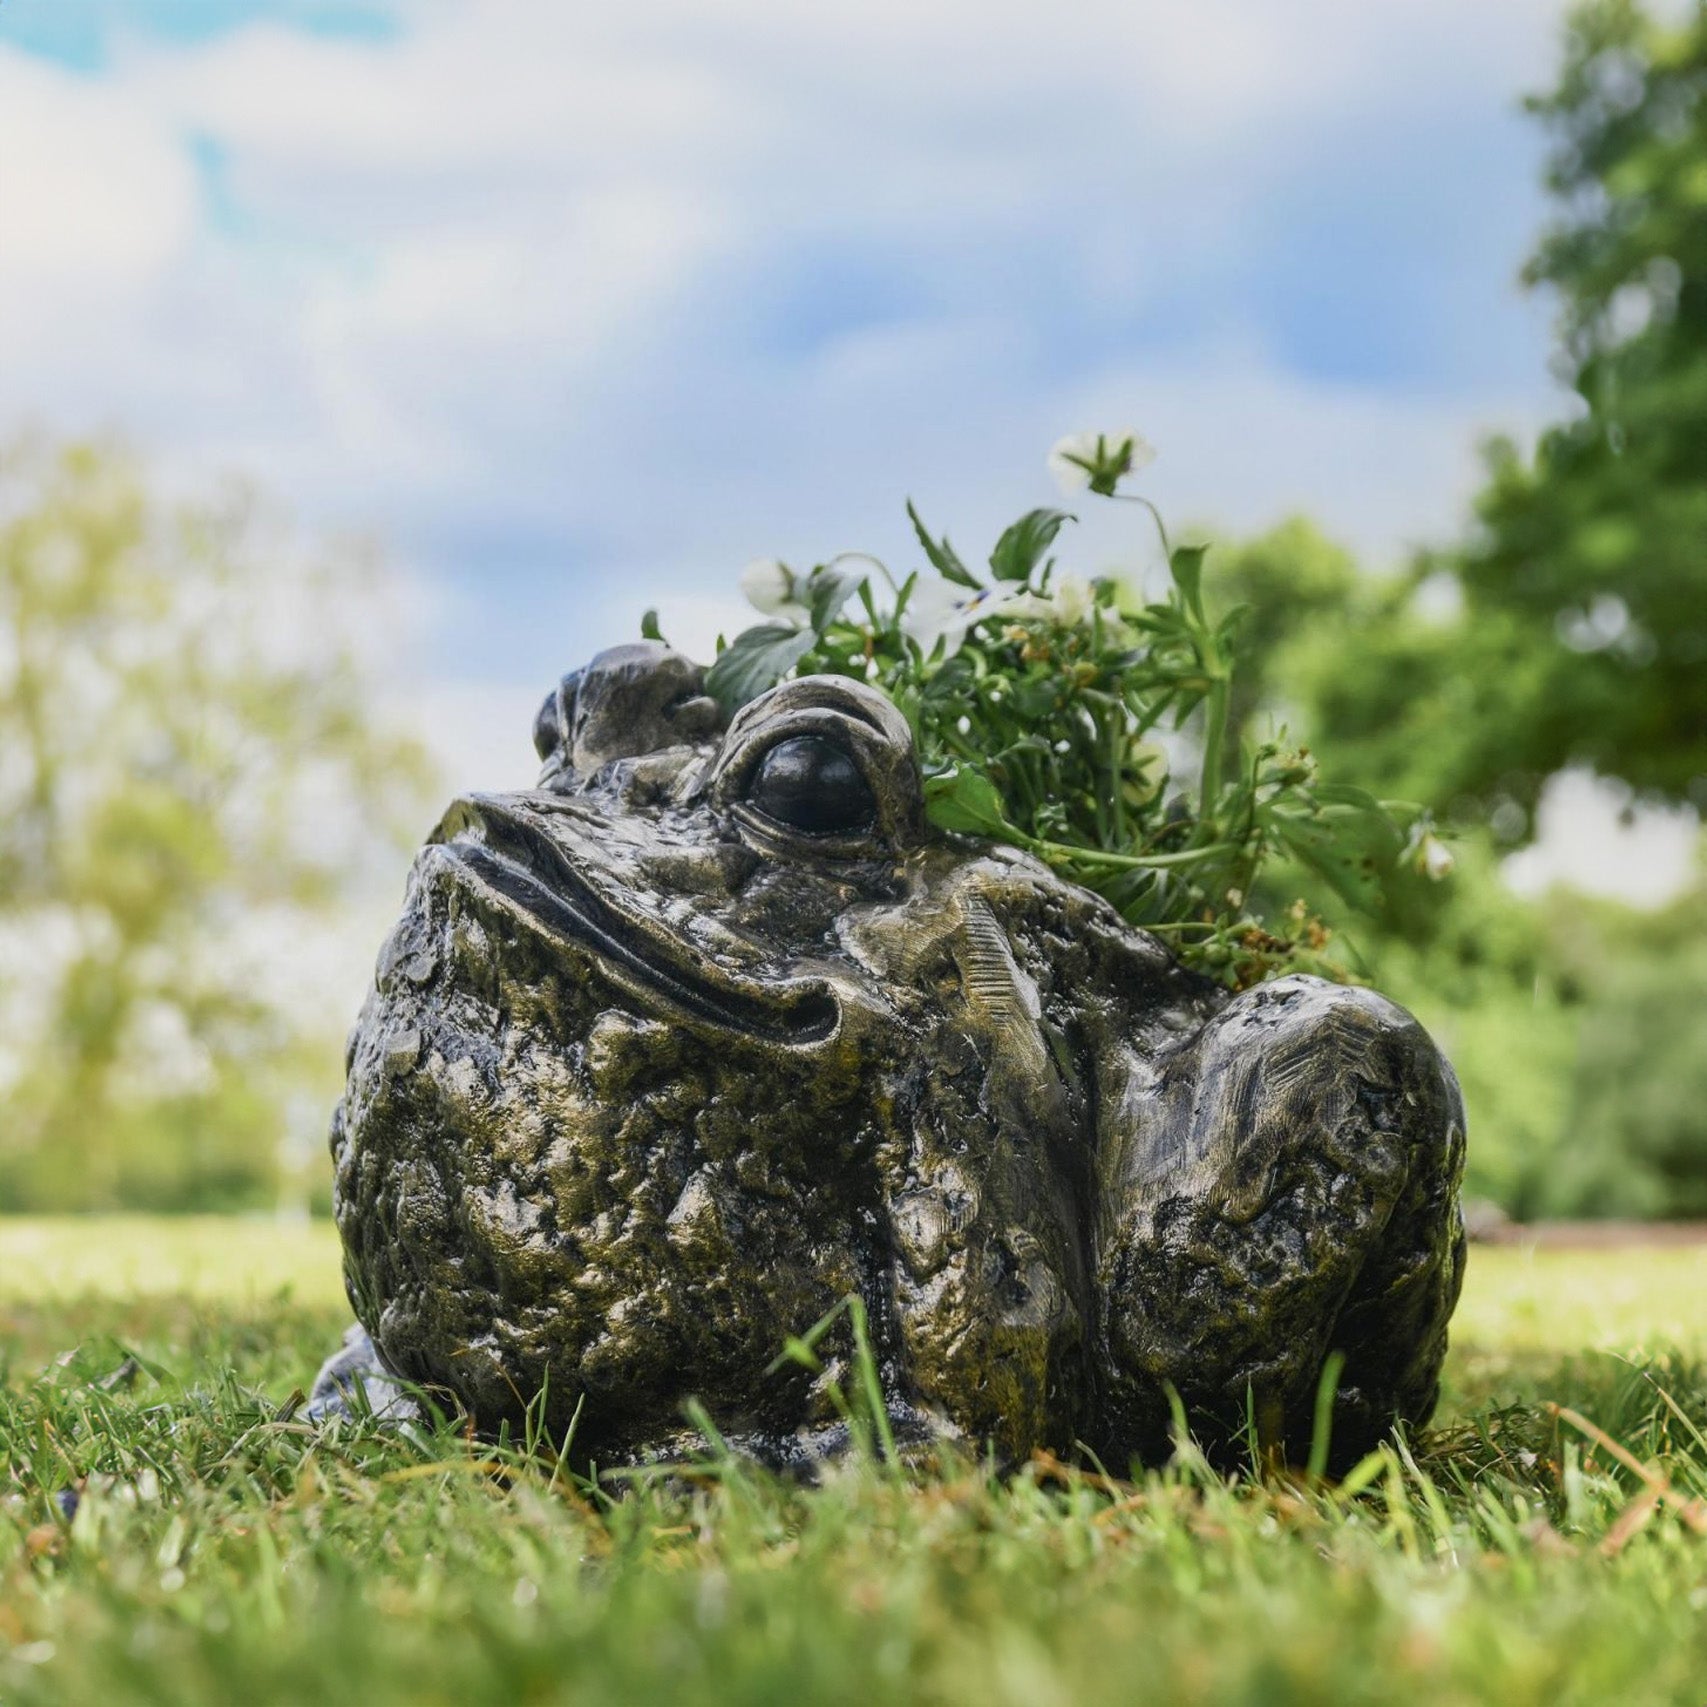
(1051, 712)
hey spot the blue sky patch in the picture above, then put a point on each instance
(81, 33)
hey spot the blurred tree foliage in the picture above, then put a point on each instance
(1571, 628)
(184, 741)
(1581, 633)
(1295, 585)
(1574, 1025)
(1636, 1137)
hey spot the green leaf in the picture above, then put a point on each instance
(1161, 620)
(966, 800)
(1350, 841)
(1346, 794)
(754, 662)
(1186, 566)
(1021, 547)
(828, 588)
(943, 557)
(901, 598)
(649, 629)
(1227, 631)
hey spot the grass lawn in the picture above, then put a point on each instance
(222, 1552)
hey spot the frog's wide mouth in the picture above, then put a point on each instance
(516, 863)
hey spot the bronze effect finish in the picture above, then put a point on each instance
(650, 1078)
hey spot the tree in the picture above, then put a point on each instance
(1581, 633)
(188, 772)
(1295, 586)
(1601, 539)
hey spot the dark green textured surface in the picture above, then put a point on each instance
(650, 1079)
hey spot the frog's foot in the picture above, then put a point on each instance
(353, 1383)
(918, 1436)
(1291, 1192)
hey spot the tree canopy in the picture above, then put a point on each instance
(183, 723)
(1581, 634)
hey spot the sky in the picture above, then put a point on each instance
(579, 308)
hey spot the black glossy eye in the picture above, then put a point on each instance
(813, 785)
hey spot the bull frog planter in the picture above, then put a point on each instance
(710, 1030)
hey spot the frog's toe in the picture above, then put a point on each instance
(354, 1383)
(1291, 1193)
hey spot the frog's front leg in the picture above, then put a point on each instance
(1288, 1189)
(353, 1382)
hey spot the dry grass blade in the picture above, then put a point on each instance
(448, 1467)
(1631, 1521)
(1692, 1511)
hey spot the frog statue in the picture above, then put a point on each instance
(711, 1029)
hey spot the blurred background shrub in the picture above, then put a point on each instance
(193, 780)
(1569, 629)
(1578, 1027)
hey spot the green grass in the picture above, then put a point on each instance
(223, 1552)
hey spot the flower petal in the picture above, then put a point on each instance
(768, 584)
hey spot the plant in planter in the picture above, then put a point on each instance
(822, 998)
(1036, 697)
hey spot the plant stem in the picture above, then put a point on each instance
(1214, 739)
(1155, 516)
(1132, 862)
(877, 563)
(1116, 776)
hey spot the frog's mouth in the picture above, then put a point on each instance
(516, 864)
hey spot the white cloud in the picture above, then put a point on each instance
(1592, 837)
(97, 211)
(466, 90)
(72, 220)
(480, 733)
(1246, 444)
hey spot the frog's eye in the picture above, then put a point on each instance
(812, 784)
(822, 768)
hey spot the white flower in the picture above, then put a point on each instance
(1071, 599)
(1435, 859)
(1022, 607)
(768, 584)
(1099, 460)
(940, 610)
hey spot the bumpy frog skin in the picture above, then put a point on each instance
(673, 1052)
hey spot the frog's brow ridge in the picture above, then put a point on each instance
(861, 714)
